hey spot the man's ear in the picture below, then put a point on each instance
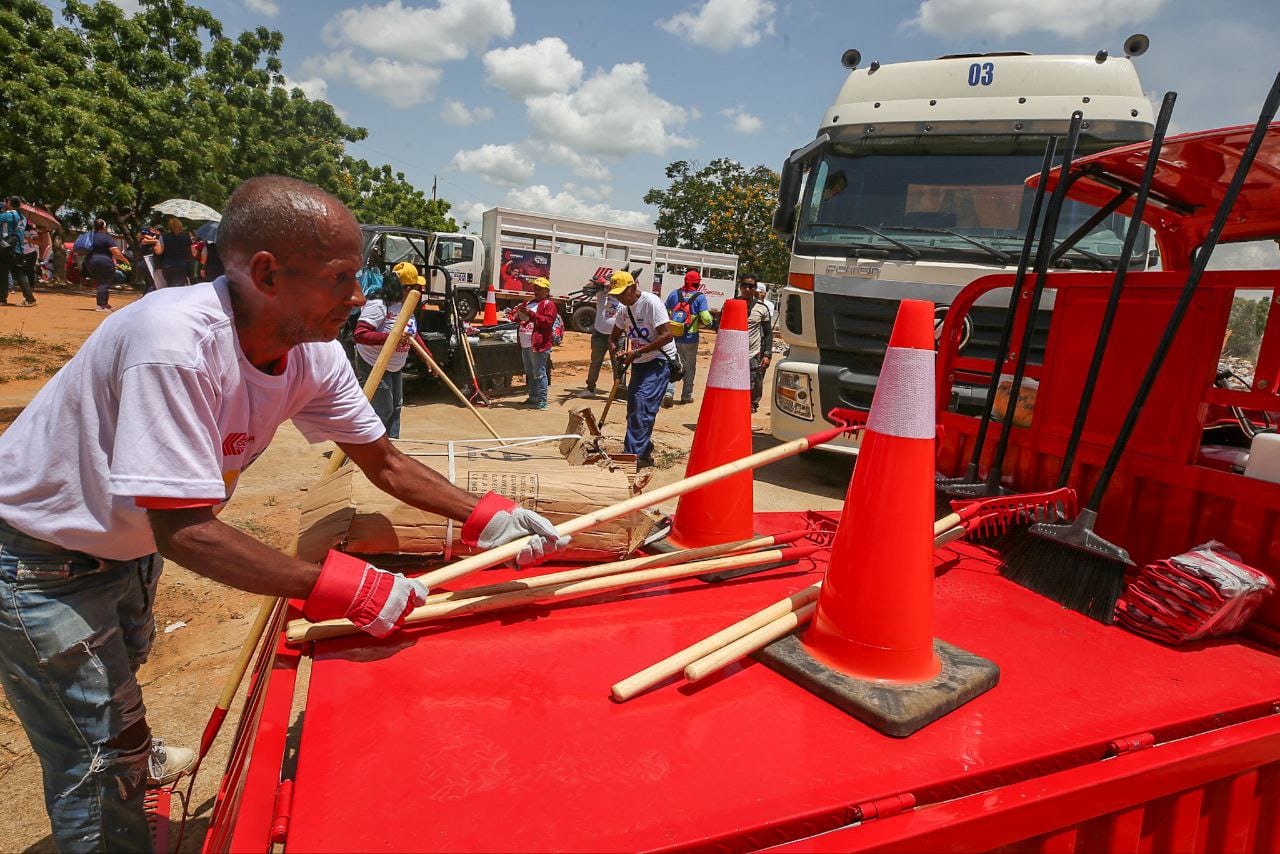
(262, 270)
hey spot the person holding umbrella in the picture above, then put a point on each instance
(175, 253)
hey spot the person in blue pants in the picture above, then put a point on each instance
(644, 320)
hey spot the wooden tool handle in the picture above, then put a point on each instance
(673, 664)
(946, 523)
(301, 631)
(749, 643)
(425, 355)
(578, 524)
(645, 562)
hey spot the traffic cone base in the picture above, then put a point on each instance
(891, 708)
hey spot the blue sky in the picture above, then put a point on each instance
(576, 108)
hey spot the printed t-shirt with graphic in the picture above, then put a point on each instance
(690, 310)
(607, 309)
(652, 320)
(541, 313)
(382, 317)
(144, 414)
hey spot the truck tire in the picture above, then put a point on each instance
(468, 303)
(583, 319)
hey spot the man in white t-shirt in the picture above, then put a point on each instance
(643, 319)
(607, 308)
(128, 453)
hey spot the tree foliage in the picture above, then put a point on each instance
(723, 207)
(108, 114)
(1246, 326)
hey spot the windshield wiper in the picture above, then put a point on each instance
(905, 247)
(1003, 257)
(1101, 260)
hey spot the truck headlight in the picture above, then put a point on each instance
(793, 394)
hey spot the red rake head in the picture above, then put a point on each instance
(990, 517)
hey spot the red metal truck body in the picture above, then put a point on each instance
(496, 733)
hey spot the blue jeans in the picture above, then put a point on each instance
(689, 356)
(73, 631)
(535, 374)
(645, 389)
(388, 397)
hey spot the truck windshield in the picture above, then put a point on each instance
(957, 200)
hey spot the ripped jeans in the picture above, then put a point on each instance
(73, 631)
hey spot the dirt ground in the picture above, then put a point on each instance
(201, 624)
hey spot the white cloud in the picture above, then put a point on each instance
(1254, 255)
(501, 164)
(539, 198)
(1004, 18)
(540, 68)
(598, 193)
(449, 31)
(584, 166)
(401, 84)
(723, 24)
(460, 115)
(315, 88)
(743, 122)
(471, 213)
(612, 113)
(264, 7)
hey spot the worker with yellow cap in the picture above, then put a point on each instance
(536, 332)
(644, 320)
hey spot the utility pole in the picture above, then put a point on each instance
(433, 188)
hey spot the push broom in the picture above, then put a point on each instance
(1070, 563)
(1021, 561)
(970, 481)
(1044, 251)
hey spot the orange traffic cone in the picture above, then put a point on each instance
(490, 307)
(870, 649)
(721, 512)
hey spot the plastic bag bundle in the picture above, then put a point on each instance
(1205, 592)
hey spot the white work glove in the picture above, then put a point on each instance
(497, 520)
(375, 600)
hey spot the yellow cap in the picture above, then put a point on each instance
(620, 281)
(541, 282)
(408, 274)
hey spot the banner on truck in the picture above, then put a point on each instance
(520, 267)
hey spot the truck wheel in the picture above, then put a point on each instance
(468, 305)
(583, 319)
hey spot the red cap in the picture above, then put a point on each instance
(692, 278)
(914, 326)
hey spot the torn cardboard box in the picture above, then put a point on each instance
(347, 511)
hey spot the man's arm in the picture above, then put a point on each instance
(197, 540)
(766, 336)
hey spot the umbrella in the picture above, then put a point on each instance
(187, 209)
(41, 218)
(208, 232)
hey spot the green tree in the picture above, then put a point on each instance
(723, 207)
(377, 195)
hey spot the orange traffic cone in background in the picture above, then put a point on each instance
(722, 511)
(490, 307)
(875, 614)
(870, 649)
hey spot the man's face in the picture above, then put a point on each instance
(747, 289)
(316, 285)
(629, 296)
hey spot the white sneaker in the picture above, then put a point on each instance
(167, 764)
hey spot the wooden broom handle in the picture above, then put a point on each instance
(578, 524)
(425, 355)
(749, 643)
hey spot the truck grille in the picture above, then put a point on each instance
(853, 331)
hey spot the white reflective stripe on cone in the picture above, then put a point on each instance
(903, 402)
(730, 363)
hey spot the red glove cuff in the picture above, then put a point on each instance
(338, 587)
(490, 505)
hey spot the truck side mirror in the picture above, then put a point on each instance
(784, 215)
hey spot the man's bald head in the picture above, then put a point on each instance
(272, 213)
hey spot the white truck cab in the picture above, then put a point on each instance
(913, 188)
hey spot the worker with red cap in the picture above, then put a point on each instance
(689, 312)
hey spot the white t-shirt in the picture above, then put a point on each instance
(607, 309)
(382, 317)
(652, 319)
(160, 402)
